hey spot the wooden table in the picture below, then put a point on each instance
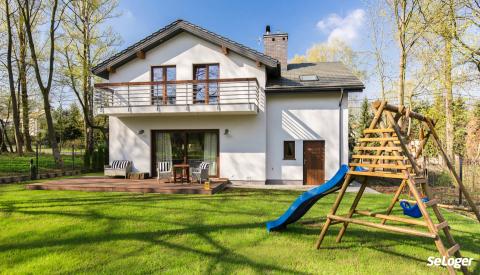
(185, 172)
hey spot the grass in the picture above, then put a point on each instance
(80, 232)
(13, 165)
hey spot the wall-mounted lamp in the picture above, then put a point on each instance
(227, 132)
(140, 132)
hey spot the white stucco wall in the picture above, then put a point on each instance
(242, 153)
(307, 116)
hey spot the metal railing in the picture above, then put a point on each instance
(240, 91)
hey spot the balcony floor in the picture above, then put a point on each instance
(238, 109)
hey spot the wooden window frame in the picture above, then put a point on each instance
(164, 77)
(207, 82)
(285, 146)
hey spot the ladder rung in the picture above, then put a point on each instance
(378, 174)
(377, 139)
(378, 157)
(441, 225)
(451, 251)
(381, 165)
(431, 202)
(379, 148)
(371, 131)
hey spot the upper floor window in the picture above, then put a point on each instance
(163, 93)
(206, 91)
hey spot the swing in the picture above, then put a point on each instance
(412, 211)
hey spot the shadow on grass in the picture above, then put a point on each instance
(222, 254)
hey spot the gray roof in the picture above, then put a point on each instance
(171, 30)
(331, 76)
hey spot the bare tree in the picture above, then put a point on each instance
(29, 13)
(406, 13)
(11, 82)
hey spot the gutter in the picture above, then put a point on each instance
(340, 128)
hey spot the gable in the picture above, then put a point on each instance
(152, 41)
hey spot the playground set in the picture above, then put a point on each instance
(385, 151)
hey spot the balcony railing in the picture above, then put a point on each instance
(214, 95)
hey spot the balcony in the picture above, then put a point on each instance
(225, 96)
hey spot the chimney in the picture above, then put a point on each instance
(276, 46)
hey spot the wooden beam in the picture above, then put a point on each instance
(258, 64)
(378, 157)
(391, 218)
(382, 165)
(111, 69)
(372, 131)
(141, 54)
(400, 110)
(225, 50)
(378, 139)
(380, 148)
(378, 174)
(385, 227)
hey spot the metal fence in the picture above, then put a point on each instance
(445, 190)
(41, 163)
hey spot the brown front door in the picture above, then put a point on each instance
(313, 162)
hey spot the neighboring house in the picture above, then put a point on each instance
(186, 95)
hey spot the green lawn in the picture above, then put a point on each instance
(13, 165)
(117, 233)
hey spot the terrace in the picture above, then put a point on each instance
(213, 96)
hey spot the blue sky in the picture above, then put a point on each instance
(307, 22)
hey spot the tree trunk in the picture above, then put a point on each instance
(16, 114)
(7, 140)
(22, 73)
(51, 132)
(448, 85)
(401, 77)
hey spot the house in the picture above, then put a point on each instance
(185, 94)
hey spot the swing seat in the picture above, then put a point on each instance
(412, 211)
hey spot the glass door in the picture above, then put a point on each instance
(206, 92)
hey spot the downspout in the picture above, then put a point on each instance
(340, 129)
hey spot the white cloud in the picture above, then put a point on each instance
(343, 28)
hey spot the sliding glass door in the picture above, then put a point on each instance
(186, 146)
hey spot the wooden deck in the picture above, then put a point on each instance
(103, 184)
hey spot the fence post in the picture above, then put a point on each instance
(73, 157)
(460, 175)
(36, 159)
(33, 175)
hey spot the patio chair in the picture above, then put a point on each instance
(118, 168)
(164, 170)
(201, 172)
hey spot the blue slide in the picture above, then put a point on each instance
(303, 203)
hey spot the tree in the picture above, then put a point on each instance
(406, 13)
(11, 82)
(86, 43)
(29, 12)
(335, 50)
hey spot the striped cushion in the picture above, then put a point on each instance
(164, 166)
(120, 164)
(204, 165)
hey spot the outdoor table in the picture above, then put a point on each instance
(185, 172)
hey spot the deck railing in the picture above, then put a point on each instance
(233, 91)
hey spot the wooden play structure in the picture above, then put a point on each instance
(385, 151)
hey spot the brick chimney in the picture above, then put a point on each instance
(276, 46)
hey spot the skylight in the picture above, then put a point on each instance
(310, 77)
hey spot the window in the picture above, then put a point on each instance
(308, 77)
(163, 93)
(206, 91)
(289, 150)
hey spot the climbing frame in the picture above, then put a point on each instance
(384, 151)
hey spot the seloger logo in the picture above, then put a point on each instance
(444, 261)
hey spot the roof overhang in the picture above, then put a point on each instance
(171, 30)
(313, 89)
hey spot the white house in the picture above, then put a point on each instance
(185, 94)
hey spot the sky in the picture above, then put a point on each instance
(306, 22)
